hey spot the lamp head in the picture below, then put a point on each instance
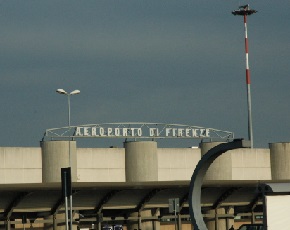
(61, 91)
(76, 91)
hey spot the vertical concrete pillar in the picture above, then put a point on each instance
(280, 160)
(221, 168)
(55, 155)
(141, 161)
(141, 165)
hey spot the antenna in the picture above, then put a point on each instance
(244, 11)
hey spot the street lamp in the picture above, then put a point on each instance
(62, 91)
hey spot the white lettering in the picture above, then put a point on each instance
(174, 132)
(78, 132)
(102, 131)
(117, 132)
(151, 132)
(125, 132)
(194, 133)
(207, 132)
(94, 131)
(86, 131)
(139, 132)
(167, 131)
(180, 131)
(110, 132)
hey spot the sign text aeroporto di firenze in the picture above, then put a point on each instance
(137, 130)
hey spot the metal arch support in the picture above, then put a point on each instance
(198, 175)
(254, 202)
(8, 211)
(224, 196)
(58, 205)
(146, 199)
(183, 200)
(105, 200)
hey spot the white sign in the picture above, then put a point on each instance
(138, 130)
(141, 132)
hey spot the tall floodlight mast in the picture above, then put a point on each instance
(244, 11)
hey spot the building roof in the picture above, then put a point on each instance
(119, 199)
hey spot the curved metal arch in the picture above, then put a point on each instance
(198, 175)
(253, 204)
(183, 201)
(224, 196)
(17, 199)
(146, 199)
(59, 203)
(108, 196)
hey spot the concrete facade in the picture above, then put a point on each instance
(24, 165)
(177, 163)
(20, 165)
(141, 161)
(101, 164)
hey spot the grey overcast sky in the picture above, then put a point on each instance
(164, 61)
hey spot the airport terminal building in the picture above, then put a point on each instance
(133, 185)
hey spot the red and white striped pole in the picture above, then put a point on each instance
(244, 11)
(248, 82)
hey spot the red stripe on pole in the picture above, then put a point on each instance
(248, 79)
(246, 45)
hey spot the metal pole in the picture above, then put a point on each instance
(66, 213)
(68, 101)
(244, 11)
(69, 155)
(248, 82)
(175, 224)
(65, 199)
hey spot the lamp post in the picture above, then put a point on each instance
(245, 11)
(62, 91)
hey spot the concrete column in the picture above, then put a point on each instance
(141, 165)
(280, 160)
(55, 155)
(141, 161)
(221, 168)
